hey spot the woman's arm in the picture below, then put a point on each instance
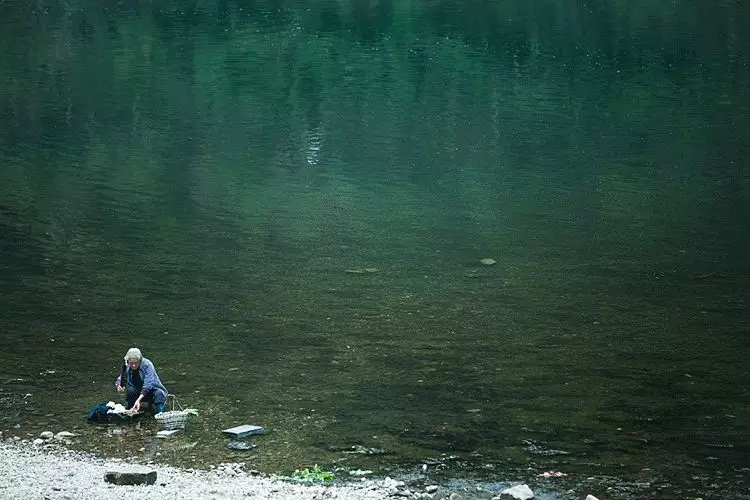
(150, 379)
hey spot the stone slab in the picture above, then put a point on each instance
(242, 431)
(166, 434)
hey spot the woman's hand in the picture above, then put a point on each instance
(120, 388)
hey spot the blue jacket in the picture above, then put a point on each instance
(150, 379)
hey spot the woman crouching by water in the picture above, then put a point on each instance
(140, 382)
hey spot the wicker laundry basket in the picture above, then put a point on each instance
(173, 419)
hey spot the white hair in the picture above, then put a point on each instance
(133, 353)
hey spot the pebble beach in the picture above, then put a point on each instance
(30, 471)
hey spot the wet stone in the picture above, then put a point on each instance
(130, 478)
(242, 431)
(238, 445)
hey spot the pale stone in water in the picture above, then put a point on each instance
(488, 262)
(167, 433)
(46, 435)
(359, 472)
(520, 492)
(242, 431)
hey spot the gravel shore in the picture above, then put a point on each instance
(29, 471)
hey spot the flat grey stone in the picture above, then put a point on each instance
(242, 431)
(166, 434)
(130, 478)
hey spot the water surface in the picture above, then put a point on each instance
(284, 205)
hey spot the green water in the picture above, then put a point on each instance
(200, 178)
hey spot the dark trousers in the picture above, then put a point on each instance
(132, 395)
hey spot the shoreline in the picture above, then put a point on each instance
(52, 471)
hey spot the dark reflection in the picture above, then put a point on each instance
(83, 29)
(372, 20)
(330, 17)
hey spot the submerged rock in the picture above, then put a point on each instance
(359, 270)
(363, 450)
(541, 448)
(238, 445)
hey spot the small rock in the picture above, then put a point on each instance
(552, 473)
(391, 483)
(432, 488)
(38, 441)
(359, 472)
(238, 445)
(64, 435)
(520, 492)
(46, 435)
(488, 262)
(541, 448)
(591, 497)
(455, 496)
(358, 449)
